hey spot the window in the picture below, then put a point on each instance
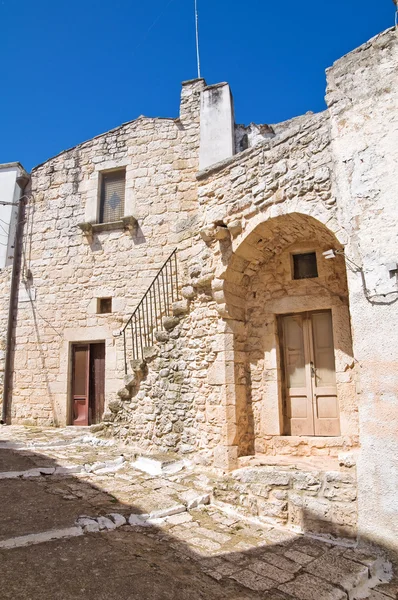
(112, 196)
(304, 266)
(104, 306)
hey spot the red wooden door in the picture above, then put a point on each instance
(97, 382)
(80, 384)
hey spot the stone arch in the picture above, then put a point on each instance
(251, 290)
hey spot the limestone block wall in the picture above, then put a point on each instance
(315, 501)
(272, 292)
(363, 105)
(65, 271)
(256, 209)
(286, 173)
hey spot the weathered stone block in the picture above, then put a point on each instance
(264, 475)
(170, 323)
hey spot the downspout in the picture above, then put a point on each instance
(22, 182)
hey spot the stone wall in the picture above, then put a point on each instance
(65, 270)
(362, 97)
(168, 406)
(257, 208)
(315, 501)
(318, 182)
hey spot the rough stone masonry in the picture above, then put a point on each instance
(238, 203)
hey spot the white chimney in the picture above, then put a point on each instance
(217, 125)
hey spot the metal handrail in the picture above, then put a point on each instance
(155, 304)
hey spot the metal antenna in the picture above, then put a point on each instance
(197, 36)
(396, 13)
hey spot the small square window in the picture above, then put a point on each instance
(104, 306)
(304, 266)
(113, 186)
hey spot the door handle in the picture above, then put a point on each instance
(313, 369)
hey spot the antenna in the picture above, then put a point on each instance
(396, 13)
(197, 36)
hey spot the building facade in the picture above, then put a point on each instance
(228, 293)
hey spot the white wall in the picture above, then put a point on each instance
(217, 125)
(363, 105)
(9, 192)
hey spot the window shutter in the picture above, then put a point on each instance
(112, 196)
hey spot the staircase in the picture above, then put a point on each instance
(157, 303)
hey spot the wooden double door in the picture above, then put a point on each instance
(309, 374)
(88, 383)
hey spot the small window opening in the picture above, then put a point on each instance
(113, 186)
(104, 306)
(305, 266)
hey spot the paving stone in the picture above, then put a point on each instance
(168, 512)
(279, 561)
(179, 519)
(273, 595)
(388, 589)
(222, 538)
(253, 581)
(373, 562)
(378, 596)
(310, 547)
(204, 543)
(339, 570)
(307, 587)
(226, 569)
(299, 557)
(270, 571)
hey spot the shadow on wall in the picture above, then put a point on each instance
(165, 562)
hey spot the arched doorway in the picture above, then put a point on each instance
(286, 306)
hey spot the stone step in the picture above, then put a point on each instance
(159, 464)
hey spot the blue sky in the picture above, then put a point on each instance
(72, 69)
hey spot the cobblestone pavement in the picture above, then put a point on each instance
(79, 521)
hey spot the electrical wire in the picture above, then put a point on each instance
(370, 297)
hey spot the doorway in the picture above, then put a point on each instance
(88, 383)
(310, 404)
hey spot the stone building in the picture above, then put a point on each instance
(228, 293)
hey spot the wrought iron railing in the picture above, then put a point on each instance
(139, 331)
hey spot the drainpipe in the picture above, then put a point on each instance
(22, 182)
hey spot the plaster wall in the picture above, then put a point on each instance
(217, 125)
(363, 105)
(9, 192)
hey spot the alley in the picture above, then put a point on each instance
(79, 521)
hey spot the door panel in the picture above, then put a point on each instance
(298, 393)
(309, 374)
(80, 384)
(88, 383)
(323, 346)
(327, 420)
(97, 382)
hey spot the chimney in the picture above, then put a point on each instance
(190, 100)
(217, 125)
